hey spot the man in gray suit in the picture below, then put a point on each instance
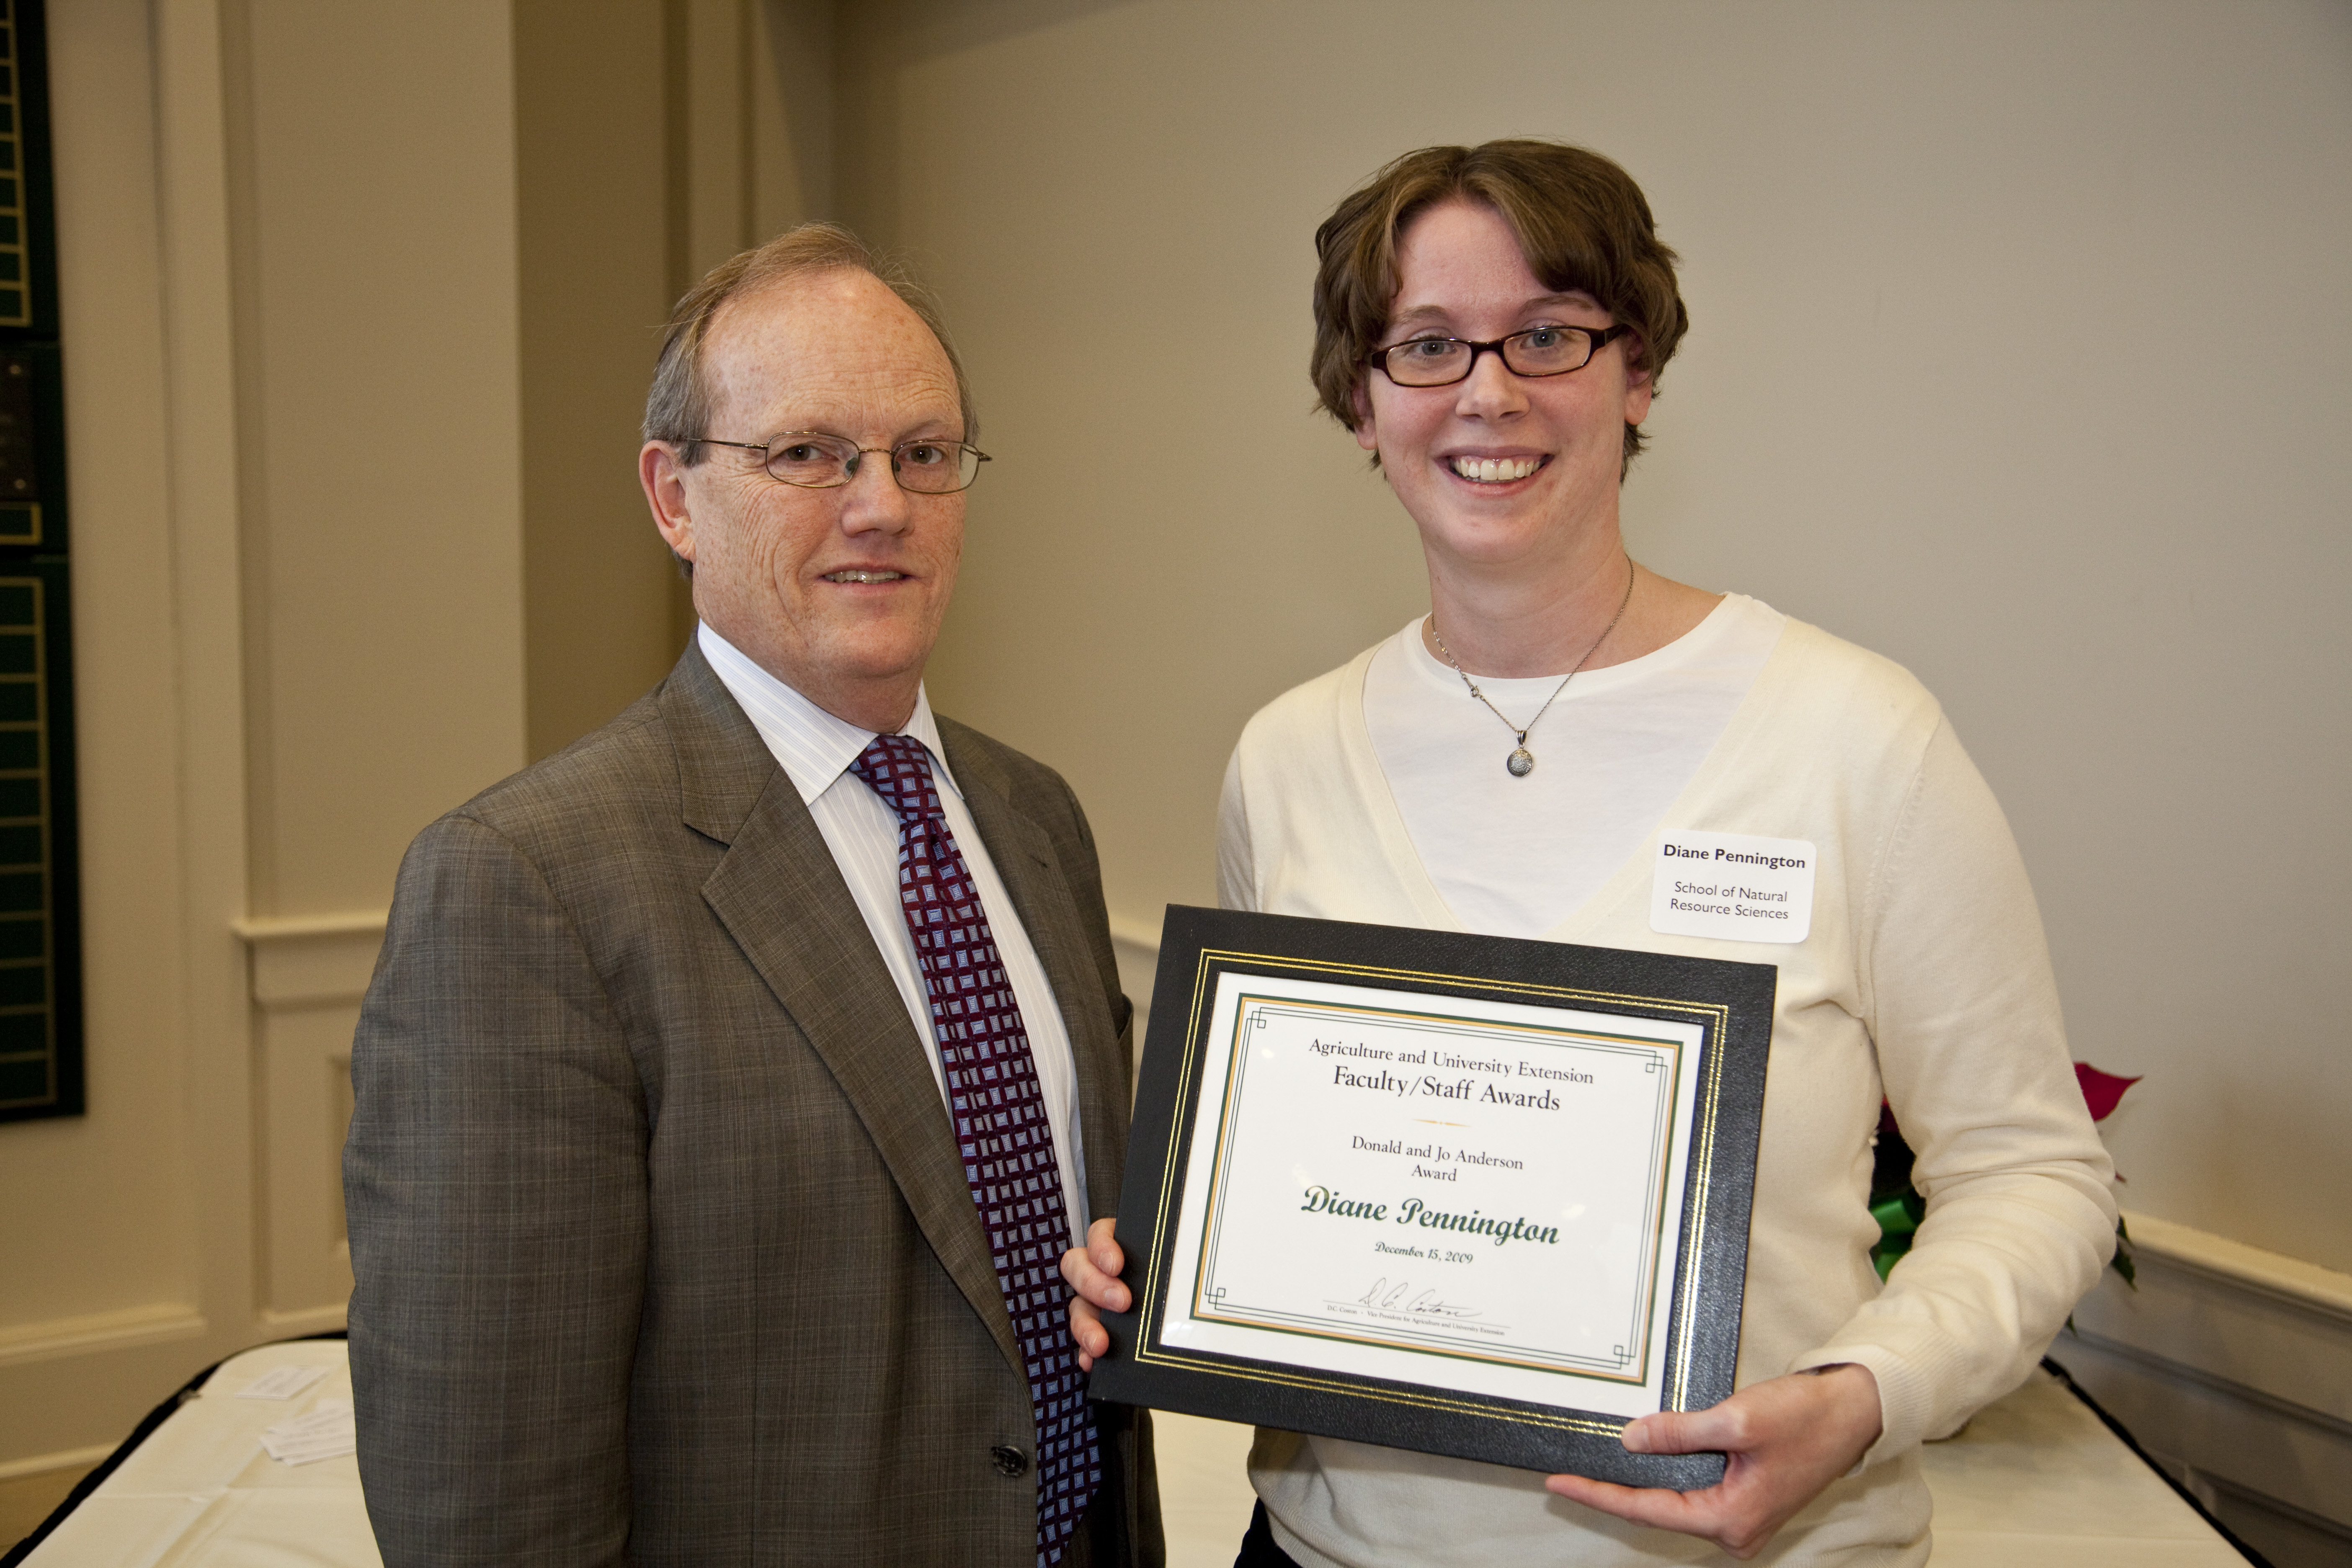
(732, 1081)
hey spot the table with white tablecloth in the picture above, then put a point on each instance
(200, 1492)
(2036, 1481)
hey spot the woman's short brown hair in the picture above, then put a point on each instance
(1581, 223)
(678, 407)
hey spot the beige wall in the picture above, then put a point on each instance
(2021, 354)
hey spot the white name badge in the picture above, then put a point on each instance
(1734, 886)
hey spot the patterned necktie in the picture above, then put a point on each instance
(1000, 1124)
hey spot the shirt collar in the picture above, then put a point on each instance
(813, 747)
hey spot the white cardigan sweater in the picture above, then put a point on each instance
(1925, 978)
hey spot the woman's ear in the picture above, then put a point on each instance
(1638, 388)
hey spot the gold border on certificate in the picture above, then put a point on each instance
(1712, 1018)
(1210, 1300)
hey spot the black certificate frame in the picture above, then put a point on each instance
(1730, 1003)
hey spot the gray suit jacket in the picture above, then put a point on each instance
(664, 1251)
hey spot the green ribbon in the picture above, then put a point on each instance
(1898, 1213)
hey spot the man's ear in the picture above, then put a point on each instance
(663, 478)
(1360, 398)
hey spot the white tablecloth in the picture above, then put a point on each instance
(2035, 1482)
(200, 1492)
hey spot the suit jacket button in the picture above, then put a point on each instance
(1010, 1461)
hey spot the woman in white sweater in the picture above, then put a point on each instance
(1491, 324)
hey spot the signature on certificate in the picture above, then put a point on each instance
(1401, 1296)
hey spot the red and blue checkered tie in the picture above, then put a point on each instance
(1000, 1124)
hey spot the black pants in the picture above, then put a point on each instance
(1258, 1550)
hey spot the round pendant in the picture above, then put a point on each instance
(1521, 763)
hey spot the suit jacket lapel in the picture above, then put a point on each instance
(783, 900)
(1032, 875)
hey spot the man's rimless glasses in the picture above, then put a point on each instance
(816, 461)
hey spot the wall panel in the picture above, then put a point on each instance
(384, 547)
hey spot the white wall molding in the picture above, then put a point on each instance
(264, 930)
(2239, 1322)
(2323, 1291)
(97, 1331)
(312, 960)
(2232, 1365)
(2191, 1376)
(309, 974)
(304, 1323)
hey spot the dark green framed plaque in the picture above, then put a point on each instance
(1457, 1193)
(40, 915)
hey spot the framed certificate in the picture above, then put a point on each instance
(1459, 1193)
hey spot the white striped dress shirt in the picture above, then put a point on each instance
(815, 749)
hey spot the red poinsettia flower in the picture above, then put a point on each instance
(2101, 1090)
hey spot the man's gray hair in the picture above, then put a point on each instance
(677, 408)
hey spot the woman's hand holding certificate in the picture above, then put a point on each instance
(1786, 1439)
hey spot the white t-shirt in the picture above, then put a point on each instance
(1514, 856)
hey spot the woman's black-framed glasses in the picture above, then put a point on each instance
(814, 460)
(1538, 350)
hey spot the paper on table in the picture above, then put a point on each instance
(282, 1382)
(325, 1433)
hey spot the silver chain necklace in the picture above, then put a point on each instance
(1522, 762)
